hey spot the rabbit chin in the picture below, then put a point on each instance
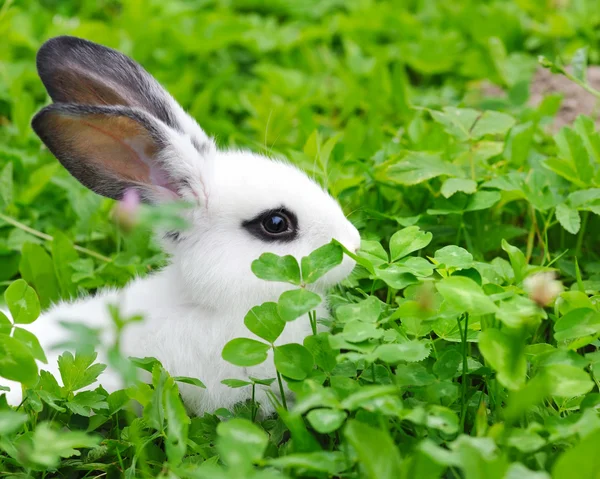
(336, 275)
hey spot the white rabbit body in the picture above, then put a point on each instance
(114, 128)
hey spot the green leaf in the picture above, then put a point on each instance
(188, 380)
(5, 324)
(577, 323)
(177, 422)
(465, 295)
(236, 383)
(442, 419)
(49, 383)
(581, 460)
(332, 462)
(84, 269)
(566, 169)
(325, 420)
(408, 240)
(517, 260)
(447, 364)
(297, 302)
(356, 331)
(571, 147)
(374, 252)
(271, 267)
(411, 351)
(154, 409)
(505, 353)
(6, 184)
(28, 338)
(367, 310)
(37, 182)
(525, 440)
(9, 265)
(22, 302)
(49, 445)
(518, 144)
(454, 257)
(568, 218)
(413, 375)
(316, 396)
(414, 265)
(63, 255)
(482, 200)
(518, 471)
(456, 121)
(321, 261)
(11, 421)
(479, 457)
(147, 363)
(378, 456)
(570, 300)
(265, 322)
(37, 269)
(492, 123)
(579, 64)
(419, 166)
(581, 198)
(396, 276)
(454, 185)
(364, 397)
(302, 439)
(16, 361)
(245, 352)
(240, 443)
(567, 381)
(293, 361)
(263, 382)
(586, 129)
(79, 371)
(86, 402)
(425, 461)
(323, 354)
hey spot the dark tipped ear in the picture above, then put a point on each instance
(108, 148)
(78, 71)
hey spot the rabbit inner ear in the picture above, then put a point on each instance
(74, 70)
(108, 149)
(83, 88)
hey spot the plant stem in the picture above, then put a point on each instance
(254, 408)
(390, 296)
(312, 316)
(531, 236)
(284, 402)
(581, 234)
(464, 373)
(583, 85)
(5, 8)
(46, 237)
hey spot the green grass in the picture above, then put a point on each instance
(449, 354)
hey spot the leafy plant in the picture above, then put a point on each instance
(465, 342)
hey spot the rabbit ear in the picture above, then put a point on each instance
(77, 71)
(110, 149)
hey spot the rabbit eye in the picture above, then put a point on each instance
(273, 225)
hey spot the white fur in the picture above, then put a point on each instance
(197, 304)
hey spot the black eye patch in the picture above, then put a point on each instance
(273, 225)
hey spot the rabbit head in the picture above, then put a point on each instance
(115, 128)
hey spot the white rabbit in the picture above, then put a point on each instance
(114, 128)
